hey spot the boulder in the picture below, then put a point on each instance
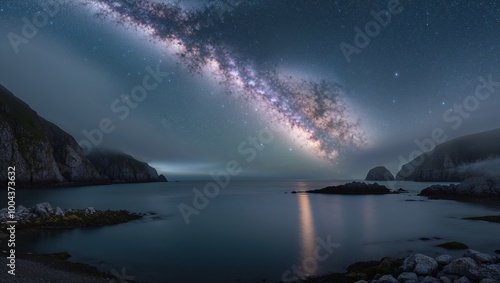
(387, 279)
(444, 259)
(379, 173)
(59, 211)
(488, 280)
(420, 264)
(407, 276)
(445, 279)
(22, 212)
(429, 279)
(491, 271)
(463, 266)
(90, 210)
(462, 279)
(43, 209)
(481, 257)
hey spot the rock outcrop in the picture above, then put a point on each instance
(44, 216)
(473, 266)
(453, 161)
(354, 188)
(118, 167)
(162, 178)
(379, 173)
(476, 187)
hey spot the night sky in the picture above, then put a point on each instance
(288, 89)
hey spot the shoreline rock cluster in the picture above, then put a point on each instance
(43, 215)
(479, 187)
(472, 267)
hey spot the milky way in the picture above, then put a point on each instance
(315, 110)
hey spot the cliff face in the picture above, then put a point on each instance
(44, 155)
(121, 168)
(450, 161)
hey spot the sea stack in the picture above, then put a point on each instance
(379, 173)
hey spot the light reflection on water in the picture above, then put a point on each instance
(253, 230)
(307, 232)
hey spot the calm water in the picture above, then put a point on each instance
(254, 231)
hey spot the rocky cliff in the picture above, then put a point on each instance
(455, 160)
(121, 168)
(41, 152)
(45, 155)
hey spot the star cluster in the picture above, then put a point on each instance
(316, 110)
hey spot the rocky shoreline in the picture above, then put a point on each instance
(44, 216)
(55, 267)
(472, 267)
(474, 188)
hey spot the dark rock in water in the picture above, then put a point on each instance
(379, 173)
(451, 161)
(162, 178)
(479, 187)
(354, 188)
(488, 218)
(453, 246)
(122, 168)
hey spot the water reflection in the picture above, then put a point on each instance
(369, 217)
(307, 232)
